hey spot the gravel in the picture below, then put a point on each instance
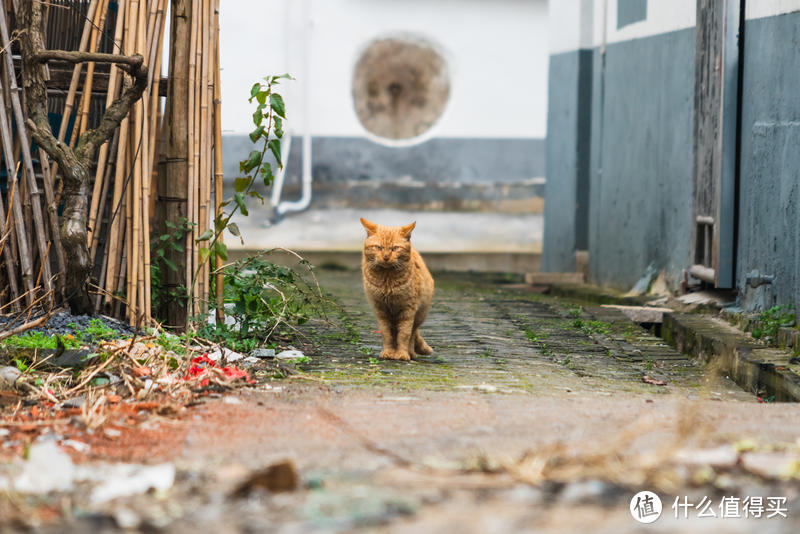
(62, 323)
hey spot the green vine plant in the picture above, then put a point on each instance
(173, 239)
(263, 296)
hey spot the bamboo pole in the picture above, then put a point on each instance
(218, 175)
(192, 185)
(119, 222)
(136, 189)
(146, 163)
(76, 76)
(114, 80)
(105, 180)
(82, 122)
(204, 152)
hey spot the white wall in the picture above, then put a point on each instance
(497, 53)
(765, 8)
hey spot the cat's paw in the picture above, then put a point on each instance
(420, 347)
(395, 355)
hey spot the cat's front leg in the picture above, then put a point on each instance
(385, 326)
(405, 343)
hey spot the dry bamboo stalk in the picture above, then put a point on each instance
(52, 214)
(114, 80)
(135, 191)
(146, 165)
(192, 181)
(205, 168)
(33, 189)
(118, 224)
(220, 276)
(11, 267)
(82, 116)
(16, 207)
(155, 72)
(76, 76)
(106, 181)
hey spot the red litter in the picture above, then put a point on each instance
(202, 367)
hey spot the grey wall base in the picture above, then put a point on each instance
(489, 174)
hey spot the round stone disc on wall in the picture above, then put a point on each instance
(400, 87)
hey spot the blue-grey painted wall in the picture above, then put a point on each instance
(641, 177)
(567, 161)
(441, 173)
(630, 11)
(769, 207)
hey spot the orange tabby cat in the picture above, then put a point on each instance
(399, 287)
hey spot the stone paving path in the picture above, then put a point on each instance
(493, 334)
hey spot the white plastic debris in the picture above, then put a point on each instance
(290, 355)
(231, 400)
(77, 445)
(47, 469)
(123, 480)
(220, 352)
(8, 376)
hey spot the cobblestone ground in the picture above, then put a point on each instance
(531, 416)
(493, 334)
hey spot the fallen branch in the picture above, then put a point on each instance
(129, 63)
(26, 326)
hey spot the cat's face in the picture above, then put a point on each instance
(387, 247)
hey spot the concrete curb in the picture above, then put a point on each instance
(762, 370)
(755, 367)
(594, 294)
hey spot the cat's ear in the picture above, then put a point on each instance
(405, 231)
(370, 226)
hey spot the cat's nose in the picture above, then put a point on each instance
(385, 257)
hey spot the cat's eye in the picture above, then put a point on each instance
(378, 247)
(396, 247)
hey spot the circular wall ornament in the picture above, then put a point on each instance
(400, 87)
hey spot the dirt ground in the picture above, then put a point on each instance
(531, 415)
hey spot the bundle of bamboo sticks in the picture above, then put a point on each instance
(123, 194)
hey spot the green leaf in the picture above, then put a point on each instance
(170, 264)
(278, 128)
(275, 146)
(254, 90)
(234, 229)
(222, 250)
(240, 184)
(208, 234)
(170, 225)
(262, 97)
(256, 194)
(239, 199)
(253, 161)
(258, 116)
(266, 174)
(163, 237)
(203, 253)
(258, 132)
(276, 103)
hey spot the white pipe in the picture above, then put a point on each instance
(305, 197)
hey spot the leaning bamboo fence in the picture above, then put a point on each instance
(123, 191)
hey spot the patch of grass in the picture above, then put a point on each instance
(771, 320)
(486, 353)
(574, 311)
(367, 351)
(532, 335)
(592, 327)
(38, 340)
(374, 361)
